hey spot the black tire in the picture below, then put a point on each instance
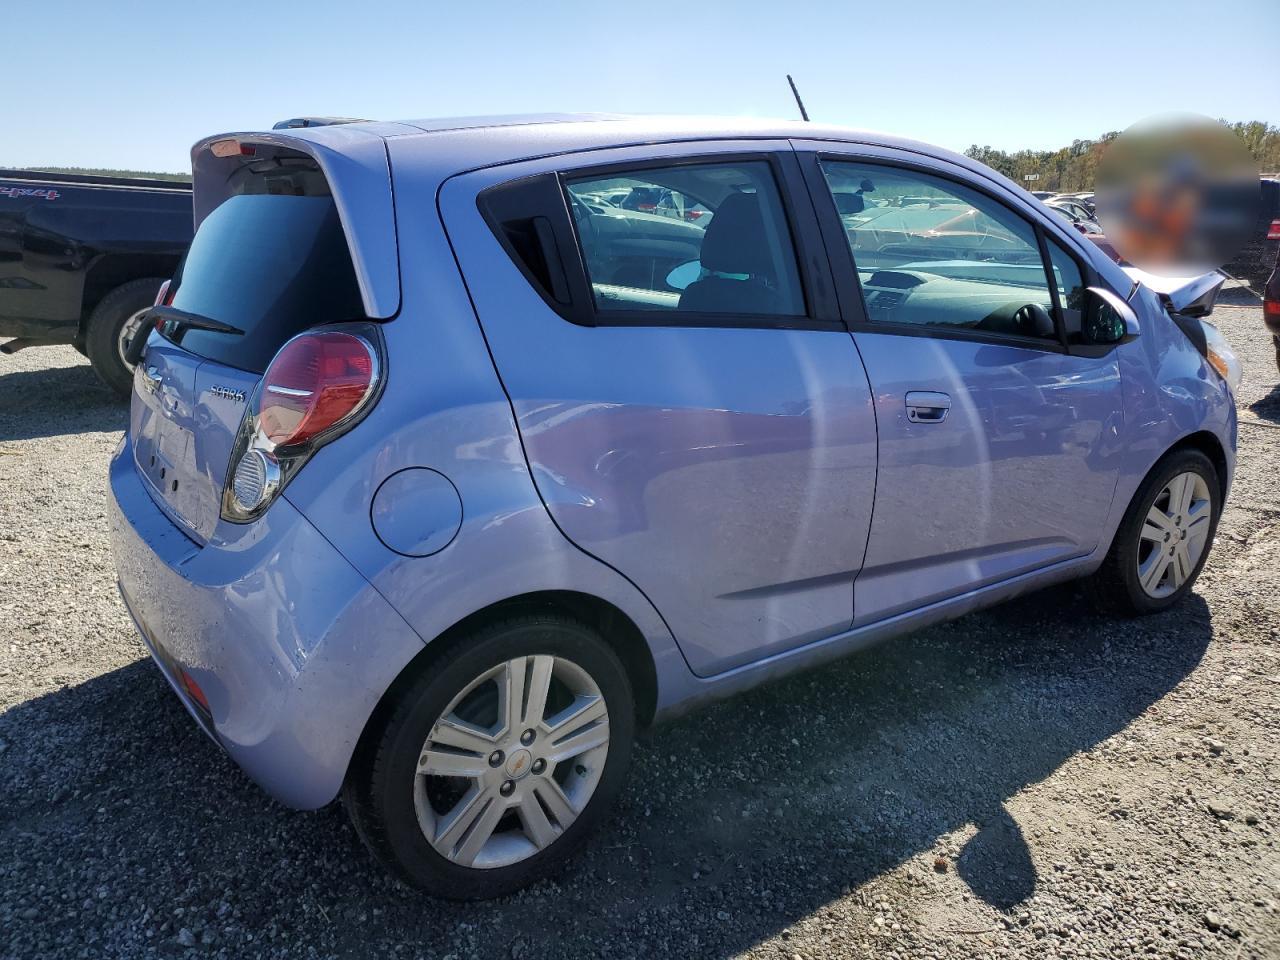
(1114, 588)
(102, 332)
(378, 792)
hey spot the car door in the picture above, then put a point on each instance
(692, 408)
(998, 418)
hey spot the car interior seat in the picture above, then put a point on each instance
(735, 243)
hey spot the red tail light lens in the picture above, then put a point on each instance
(1273, 233)
(315, 381)
(1271, 308)
(162, 297)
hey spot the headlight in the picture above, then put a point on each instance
(1221, 357)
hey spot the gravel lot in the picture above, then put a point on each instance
(1030, 781)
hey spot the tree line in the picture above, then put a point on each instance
(1073, 168)
(112, 172)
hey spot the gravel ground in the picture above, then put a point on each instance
(1030, 781)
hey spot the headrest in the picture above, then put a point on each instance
(735, 240)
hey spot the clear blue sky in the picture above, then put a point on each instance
(134, 84)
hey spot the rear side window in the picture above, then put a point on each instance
(272, 265)
(687, 239)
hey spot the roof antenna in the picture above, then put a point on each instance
(799, 103)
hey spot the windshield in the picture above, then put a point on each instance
(271, 265)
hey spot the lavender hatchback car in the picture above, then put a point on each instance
(445, 472)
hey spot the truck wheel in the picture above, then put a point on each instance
(112, 325)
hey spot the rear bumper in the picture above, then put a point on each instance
(291, 647)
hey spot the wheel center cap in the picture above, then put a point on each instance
(518, 764)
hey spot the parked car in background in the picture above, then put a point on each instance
(431, 499)
(1255, 259)
(1043, 194)
(1078, 210)
(82, 257)
(1072, 215)
(1091, 229)
(1085, 198)
(1271, 306)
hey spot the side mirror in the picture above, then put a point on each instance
(1112, 320)
(685, 274)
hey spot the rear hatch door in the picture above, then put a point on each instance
(271, 260)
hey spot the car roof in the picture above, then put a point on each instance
(471, 142)
(362, 155)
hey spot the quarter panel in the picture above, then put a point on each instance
(443, 408)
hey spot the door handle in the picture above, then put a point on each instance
(926, 406)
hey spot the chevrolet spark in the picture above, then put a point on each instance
(447, 468)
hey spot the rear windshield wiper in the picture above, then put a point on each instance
(169, 321)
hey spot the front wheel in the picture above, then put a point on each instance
(1164, 539)
(492, 766)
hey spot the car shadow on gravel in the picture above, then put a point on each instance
(1238, 295)
(124, 828)
(57, 401)
(1268, 408)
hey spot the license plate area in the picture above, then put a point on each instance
(164, 445)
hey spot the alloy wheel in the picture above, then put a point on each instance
(512, 761)
(1174, 534)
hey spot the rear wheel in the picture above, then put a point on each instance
(490, 768)
(112, 325)
(1164, 539)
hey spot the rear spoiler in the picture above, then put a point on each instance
(1188, 296)
(355, 165)
(298, 123)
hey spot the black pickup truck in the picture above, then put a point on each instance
(82, 257)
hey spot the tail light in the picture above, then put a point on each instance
(1271, 308)
(318, 386)
(1273, 232)
(316, 381)
(164, 298)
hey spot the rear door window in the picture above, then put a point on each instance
(272, 265)
(688, 239)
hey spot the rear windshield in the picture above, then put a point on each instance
(272, 266)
